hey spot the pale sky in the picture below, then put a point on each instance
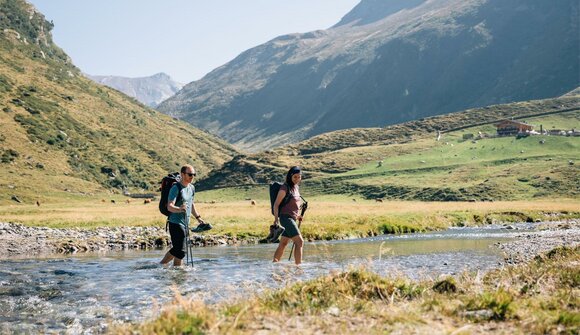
(183, 38)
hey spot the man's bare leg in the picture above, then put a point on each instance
(167, 258)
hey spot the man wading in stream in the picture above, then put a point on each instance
(181, 207)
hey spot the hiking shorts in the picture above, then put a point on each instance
(290, 227)
(178, 242)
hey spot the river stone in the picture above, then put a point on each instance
(478, 315)
(50, 294)
(334, 311)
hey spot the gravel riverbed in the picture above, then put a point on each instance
(17, 239)
(545, 237)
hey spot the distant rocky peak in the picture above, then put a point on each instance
(161, 76)
(148, 90)
(369, 11)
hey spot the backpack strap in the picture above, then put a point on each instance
(179, 189)
(286, 199)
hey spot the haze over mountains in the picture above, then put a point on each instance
(388, 62)
(148, 90)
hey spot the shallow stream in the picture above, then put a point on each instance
(86, 293)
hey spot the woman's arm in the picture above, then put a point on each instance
(279, 198)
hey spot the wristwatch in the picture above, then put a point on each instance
(197, 217)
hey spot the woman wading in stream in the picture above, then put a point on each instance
(289, 214)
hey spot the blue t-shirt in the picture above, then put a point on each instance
(186, 198)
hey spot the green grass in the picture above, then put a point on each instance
(454, 169)
(483, 153)
(417, 167)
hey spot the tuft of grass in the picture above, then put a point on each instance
(339, 289)
(498, 302)
(446, 285)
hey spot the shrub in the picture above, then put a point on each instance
(445, 285)
(9, 155)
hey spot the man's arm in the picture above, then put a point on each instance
(196, 215)
(171, 201)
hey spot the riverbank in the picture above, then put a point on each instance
(20, 240)
(17, 239)
(538, 296)
(547, 236)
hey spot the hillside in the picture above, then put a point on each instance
(386, 63)
(147, 90)
(414, 166)
(65, 136)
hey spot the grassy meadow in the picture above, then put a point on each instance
(519, 164)
(459, 169)
(328, 217)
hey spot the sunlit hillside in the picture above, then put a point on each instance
(62, 135)
(407, 162)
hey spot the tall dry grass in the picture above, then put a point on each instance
(323, 220)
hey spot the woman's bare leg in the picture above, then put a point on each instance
(298, 245)
(280, 250)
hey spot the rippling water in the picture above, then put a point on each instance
(86, 293)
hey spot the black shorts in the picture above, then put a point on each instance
(178, 242)
(290, 227)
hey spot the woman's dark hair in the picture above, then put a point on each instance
(293, 170)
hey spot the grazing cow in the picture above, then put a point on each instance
(147, 201)
(379, 200)
(37, 203)
(103, 200)
(128, 201)
(113, 201)
(253, 202)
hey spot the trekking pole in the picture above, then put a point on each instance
(190, 247)
(303, 210)
(188, 250)
(187, 243)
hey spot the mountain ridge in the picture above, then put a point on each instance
(434, 58)
(150, 90)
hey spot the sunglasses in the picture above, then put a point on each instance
(191, 174)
